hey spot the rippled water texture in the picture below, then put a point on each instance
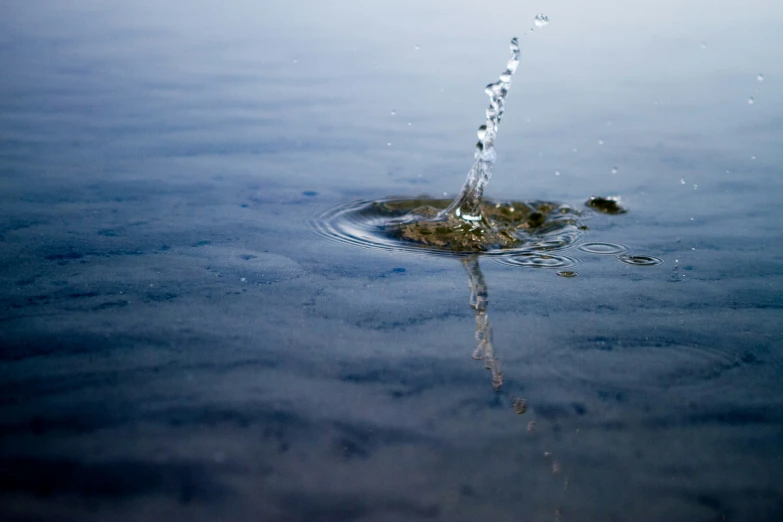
(212, 306)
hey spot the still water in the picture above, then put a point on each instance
(182, 337)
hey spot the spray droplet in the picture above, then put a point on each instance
(393, 112)
(753, 157)
(409, 124)
(760, 77)
(295, 60)
(704, 45)
(695, 187)
(574, 149)
(541, 20)
(682, 181)
(417, 47)
(557, 173)
(600, 142)
(388, 144)
(751, 100)
(482, 132)
(614, 170)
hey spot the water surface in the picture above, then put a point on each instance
(179, 342)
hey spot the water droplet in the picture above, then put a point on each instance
(600, 142)
(417, 47)
(760, 77)
(541, 20)
(567, 273)
(753, 157)
(482, 132)
(682, 181)
(557, 173)
(388, 144)
(574, 150)
(243, 279)
(704, 45)
(751, 100)
(295, 60)
(393, 112)
(695, 187)
(409, 124)
(614, 170)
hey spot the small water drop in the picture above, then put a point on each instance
(760, 77)
(541, 20)
(704, 45)
(600, 142)
(557, 173)
(682, 181)
(751, 100)
(388, 144)
(695, 187)
(753, 157)
(295, 60)
(574, 150)
(409, 124)
(614, 170)
(482, 132)
(393, 112)
(417, 48)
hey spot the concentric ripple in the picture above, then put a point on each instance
(639, 260)
(602, 248)
(534, 229)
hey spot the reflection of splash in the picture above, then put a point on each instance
(478, 301)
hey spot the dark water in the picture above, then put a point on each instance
(178, 343)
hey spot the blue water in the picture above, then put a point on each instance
(177, 342)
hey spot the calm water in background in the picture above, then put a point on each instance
(178, 343)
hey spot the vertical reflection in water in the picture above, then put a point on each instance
(478, 301)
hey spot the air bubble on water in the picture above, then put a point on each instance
(760, 77)
(682, 181)
(751, 100)
(600, 142)
(614, 170)
(541, 20)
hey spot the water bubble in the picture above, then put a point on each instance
(393, 112)
(614, 170)
(541, 20)
(760, 77)
(600, 142)
(751, 100)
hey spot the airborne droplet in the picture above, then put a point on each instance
(614, 170)
(760, 77)
(751, 100)
(541, 20)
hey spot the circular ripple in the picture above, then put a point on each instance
(537, 260)
(365, 224)
(639, 260)
(602, 248)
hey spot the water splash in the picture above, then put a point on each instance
(541, 20)
(466, 206)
